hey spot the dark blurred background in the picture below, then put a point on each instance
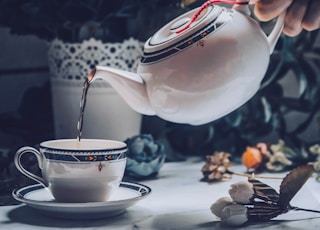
(286, 107)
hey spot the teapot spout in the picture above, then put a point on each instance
(130, 86)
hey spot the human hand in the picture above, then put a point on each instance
(300, 14)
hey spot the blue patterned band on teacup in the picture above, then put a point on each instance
(85, 158)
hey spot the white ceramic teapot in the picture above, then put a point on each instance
(198, 73)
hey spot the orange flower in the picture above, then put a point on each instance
(252, 158)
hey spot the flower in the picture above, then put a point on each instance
(255, 201)
(143, 148)
(242, 192)
(145, 157)
(315, 149)
(216, 167)
(274, 158)
(217, 207)
(278, 161)
(252, 158)
(234, 215)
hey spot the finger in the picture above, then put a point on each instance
(266, 10)
(294, 17)
(311, 20)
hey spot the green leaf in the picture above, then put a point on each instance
(292, 183)
(308, 83)
(294, 103)
(234, 119)
(277, 70)
(305, 123)
(267, 109)
(316, 50)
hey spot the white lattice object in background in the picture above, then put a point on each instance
(74, 61)
(107, 114)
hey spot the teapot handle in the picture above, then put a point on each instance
(276, 32)
(277, 29)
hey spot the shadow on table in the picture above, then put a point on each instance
(26, 215)
(141, 218)
(204, 220)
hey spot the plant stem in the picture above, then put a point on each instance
(255, 176)
(303, 209)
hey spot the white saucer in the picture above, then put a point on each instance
(40, 198)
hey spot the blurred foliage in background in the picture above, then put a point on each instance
(264, 116)
(77, 20)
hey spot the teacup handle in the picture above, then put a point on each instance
(39, 156)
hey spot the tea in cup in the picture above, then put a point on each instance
(78, 171)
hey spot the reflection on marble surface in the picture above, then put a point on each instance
(25, 216)
(179, 200)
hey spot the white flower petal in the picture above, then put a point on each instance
(234, 215)
(241, 192)
(220, 204)
(235, 220)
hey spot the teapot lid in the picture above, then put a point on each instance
(171, 39)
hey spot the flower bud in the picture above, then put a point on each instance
(234, 215)
(220, 204)
(242, 192)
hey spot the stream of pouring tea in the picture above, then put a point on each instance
(83, 101)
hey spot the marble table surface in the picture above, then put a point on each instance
(179, 200)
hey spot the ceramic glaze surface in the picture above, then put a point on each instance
(212, 85)
(78, 172)
(126, 195)
(202, 74)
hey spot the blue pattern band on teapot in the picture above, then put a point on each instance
(213, 26)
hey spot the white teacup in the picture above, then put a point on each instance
(85, 171)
